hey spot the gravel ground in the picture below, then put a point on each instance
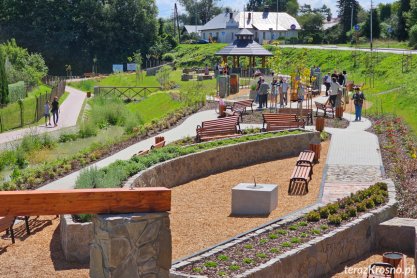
(363, 265)
(211, 198)
(200, 218)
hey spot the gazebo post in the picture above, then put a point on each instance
(263, 61)
(225, 60)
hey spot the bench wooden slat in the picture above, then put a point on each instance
(300, 173)
(325, 108)
(275, 121)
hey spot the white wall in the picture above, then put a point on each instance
(229, 35)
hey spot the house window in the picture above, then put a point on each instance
(264, 35)
(233, 36)
(204, 35)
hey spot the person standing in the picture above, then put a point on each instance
(274, 92)
(47, 113)
(358, 99)
(55, 110)
(327, 80)
(334, 90)
(263, 94)
(285, 90)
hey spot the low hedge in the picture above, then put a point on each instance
(114, 174)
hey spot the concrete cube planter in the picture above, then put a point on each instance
(75, 239)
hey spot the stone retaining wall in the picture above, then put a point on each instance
(194, 166)
(320, 256)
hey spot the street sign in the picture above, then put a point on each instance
(293, 26)
(357, 28)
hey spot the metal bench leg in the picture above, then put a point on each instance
(12, 233)
(289, 186)
(27, 225)
(306, 182)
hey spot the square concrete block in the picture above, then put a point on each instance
(250, 200)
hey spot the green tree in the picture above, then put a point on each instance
(200, 12)
(345, 14)
(376, 28)
(384, 11)
(311, 27)
(404, 8)
(289, 6)
(4, 86)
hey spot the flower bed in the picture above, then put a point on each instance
(398, 149)
(259, 249)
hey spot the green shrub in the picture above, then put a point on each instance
(274, 250)
(302, 224)
(88, 178)
(83, 218)
(303, 235)
(17, 91)
(234, 267)
(286, 244)
(248, 246)
(352, 211)
(87, 129)
(261, 255)
(334, 219)
(282, 232)
(313, 216)
(324, 213)
(332, 208)
(197, 269)
(67, 137)
(21, 161)
(210, 264)
(273, 236)
(293, 227)
(344, 216)
(316, 231)
(223, 258)
(324, 227)
(369, 203)
(295, 240)
(378, 199)
(247, 260)
(168, 57)
(263, 241)
(361, 207)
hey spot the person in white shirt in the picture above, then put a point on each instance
(334, 90)
(327, 80)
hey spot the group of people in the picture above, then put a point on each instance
(334, 86)
(277, 87)
(51, 108)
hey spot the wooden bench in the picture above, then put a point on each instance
(239, 107)
(325, 108)
(227, 121)
(301, 173)
(274, 121)
(216, 132)
(306, 158)
(304, 113)
(7, 223)
(315, 92)
(89, 74)
(158, 145)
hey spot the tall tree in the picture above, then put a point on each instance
(345, 14)
(289, 6)
(4, 87)
(376, 29)
(200, 12)
(384, 11)
(311, 27)
(402, 30)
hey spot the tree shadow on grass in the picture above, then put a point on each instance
(57, 254)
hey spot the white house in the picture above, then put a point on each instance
(264, 25)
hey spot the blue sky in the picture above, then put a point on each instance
(166, 6)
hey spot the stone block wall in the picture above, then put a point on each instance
(131, 246)
(187, 168)
(75, 239)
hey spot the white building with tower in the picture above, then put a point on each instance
(265, 26)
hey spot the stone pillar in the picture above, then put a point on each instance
(131, 245)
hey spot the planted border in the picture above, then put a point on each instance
(257, 250)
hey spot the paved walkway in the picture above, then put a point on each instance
(70, 110)
(187, 128)
(346, 48)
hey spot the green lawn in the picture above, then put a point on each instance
(380, 44)
(155, 106)
(11, 114)
(119, 79)
(188, 55)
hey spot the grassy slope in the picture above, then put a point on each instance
(197, 54)
(381, 44)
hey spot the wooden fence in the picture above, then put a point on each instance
(29, 110)
(125, 93)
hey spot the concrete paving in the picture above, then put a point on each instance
(69, 112)
(187, 128)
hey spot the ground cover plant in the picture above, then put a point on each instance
(263, 247)
(399, 154)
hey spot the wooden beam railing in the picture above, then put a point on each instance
(125, 92)
(92, 201)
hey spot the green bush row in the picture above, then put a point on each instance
(17, 91)
(117, 172)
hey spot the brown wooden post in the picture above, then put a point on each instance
(263, 62)
(224, 59)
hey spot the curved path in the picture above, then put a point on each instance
(70, 111)
(187, 128)
(346, 48)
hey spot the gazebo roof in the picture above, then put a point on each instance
(244, 47)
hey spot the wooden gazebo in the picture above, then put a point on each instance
(245, 46)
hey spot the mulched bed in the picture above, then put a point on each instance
(398, 149)
(256, 118)
(263, 247)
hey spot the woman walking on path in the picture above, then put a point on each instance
(47, 113)
(55, 110)
(334, 90)
(284, 86)
(358, 99)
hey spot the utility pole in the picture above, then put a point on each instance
(371, 24)
(277, 18)
(351, 21)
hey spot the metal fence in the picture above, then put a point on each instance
(29, 110)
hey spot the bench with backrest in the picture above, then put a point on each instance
(232, 120)
(219, 128)
(303, 113)
(301, 173)
(7, 223)
(239, 107)
(272, 121)
(326, 108)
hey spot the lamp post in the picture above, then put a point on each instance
(351, 21)
(277, 19)
(371, 25)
